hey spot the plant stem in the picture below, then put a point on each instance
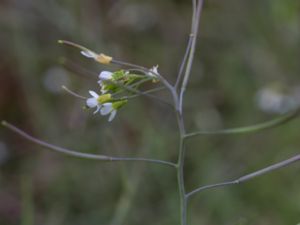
(247, 177)
(180, 173)
(181, 156)
(178, 106)
(183, 63)
(144, 70)
(194, 33)
(250, 129)
(103, 158)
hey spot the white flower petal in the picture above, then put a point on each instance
(97, 110)
(112, 115)
(94, 94)
(153, 72)
(155, 69)
(105, 75)
(88, 54)
(106, 109)
(91, 102)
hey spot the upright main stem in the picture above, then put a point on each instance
(178, 106)
(180, 174)
(180, 162)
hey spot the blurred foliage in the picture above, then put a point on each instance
(243, 47)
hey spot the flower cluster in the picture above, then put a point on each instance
(112, 86)
(105, 103)
(117, 87)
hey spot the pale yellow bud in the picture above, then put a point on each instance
(103, 59)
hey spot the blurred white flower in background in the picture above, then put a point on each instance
(272, 99)
(54, 78)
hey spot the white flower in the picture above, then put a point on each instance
(89, 54)
(104, 75)
(93, 101)
(153, 72)
(107, 108)
(101, 58)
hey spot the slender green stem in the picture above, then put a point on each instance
(73, 93)
(180, 171)
(181, 183)
(194, 33)
(249, 129)
(248, 176)
(188, 47)
(70, 43)
(178, 107)
(181, 159)
(137, 92)
(66, 151)
(147, 92)
(145, 70)
(183, 63)
(129, 87)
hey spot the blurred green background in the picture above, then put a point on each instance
(246, 71)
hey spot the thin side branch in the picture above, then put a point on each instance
(183, 63)
(249, 129)
(73, 93)
(188, 47)
(142, 93)
(81, 155)
(144, 70)
(148, 92)
(248, 176)
(194, 33)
